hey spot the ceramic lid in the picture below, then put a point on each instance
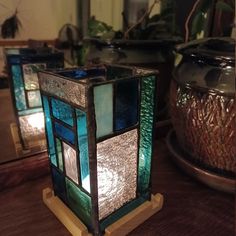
(208, 65)
(216, 51)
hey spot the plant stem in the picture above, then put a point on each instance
(188, 19)
(147, 13)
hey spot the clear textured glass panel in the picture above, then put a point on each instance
(62, 111)
(68, 90)
(32, 126)
(126, 104)
(59, 185)
(64, 133)
(146, 132)
(70, 162)
(50, 138)
(79, 202)
(103, 101)
(83, 149)
(31, 76)
(122, 212)
(117, 172)
(59, 154)
(34, 98)
(18, 87)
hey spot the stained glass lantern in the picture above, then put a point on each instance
(23, 65)
(99, 125)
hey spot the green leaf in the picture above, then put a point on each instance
(198, 23)
(220, 5)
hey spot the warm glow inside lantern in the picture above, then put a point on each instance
(99, 125)
(23, 65)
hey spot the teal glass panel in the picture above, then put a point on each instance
(59, 185)
(34, 98)
(83, 149)
(64, 133)
(146, 132)
(18, 87)
(79, 202)
(59, 154)
(103, 101)
(50, 138)
(62, 111)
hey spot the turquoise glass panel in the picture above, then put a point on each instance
(18, 87)
(50, 138)
(103, 102)
(146, 132)
(62, 111)
(83, 149)
(34, 98)
(65, 133)
(79, 202)
(59, 185)
(59, 154)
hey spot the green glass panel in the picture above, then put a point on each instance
(83, 149)
(146, 132)
(30, 111)
(49, 132)
(59, 154)
(18, 87)
(103, 101)
(79, 202)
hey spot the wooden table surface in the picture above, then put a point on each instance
(190, 208)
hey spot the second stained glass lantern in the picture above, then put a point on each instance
(23, 65)
(99, 125)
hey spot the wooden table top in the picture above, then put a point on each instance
(190, 208)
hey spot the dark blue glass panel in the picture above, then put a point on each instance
(50, 138)
(64, 133)
(79, 74)
(18, 87)
(59, 184)
(126, 104)
(62, 111)
(83, 149)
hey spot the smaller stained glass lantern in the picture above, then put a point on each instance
(23, 65)
(99, 126)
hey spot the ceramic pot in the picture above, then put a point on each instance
(203, 103)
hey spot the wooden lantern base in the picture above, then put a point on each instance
(120, 228)
(34, 146)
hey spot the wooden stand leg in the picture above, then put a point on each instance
(120, 228)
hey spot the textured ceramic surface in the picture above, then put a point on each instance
(203, 103)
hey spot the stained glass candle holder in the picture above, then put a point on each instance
(99, 126)
(23, 65)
